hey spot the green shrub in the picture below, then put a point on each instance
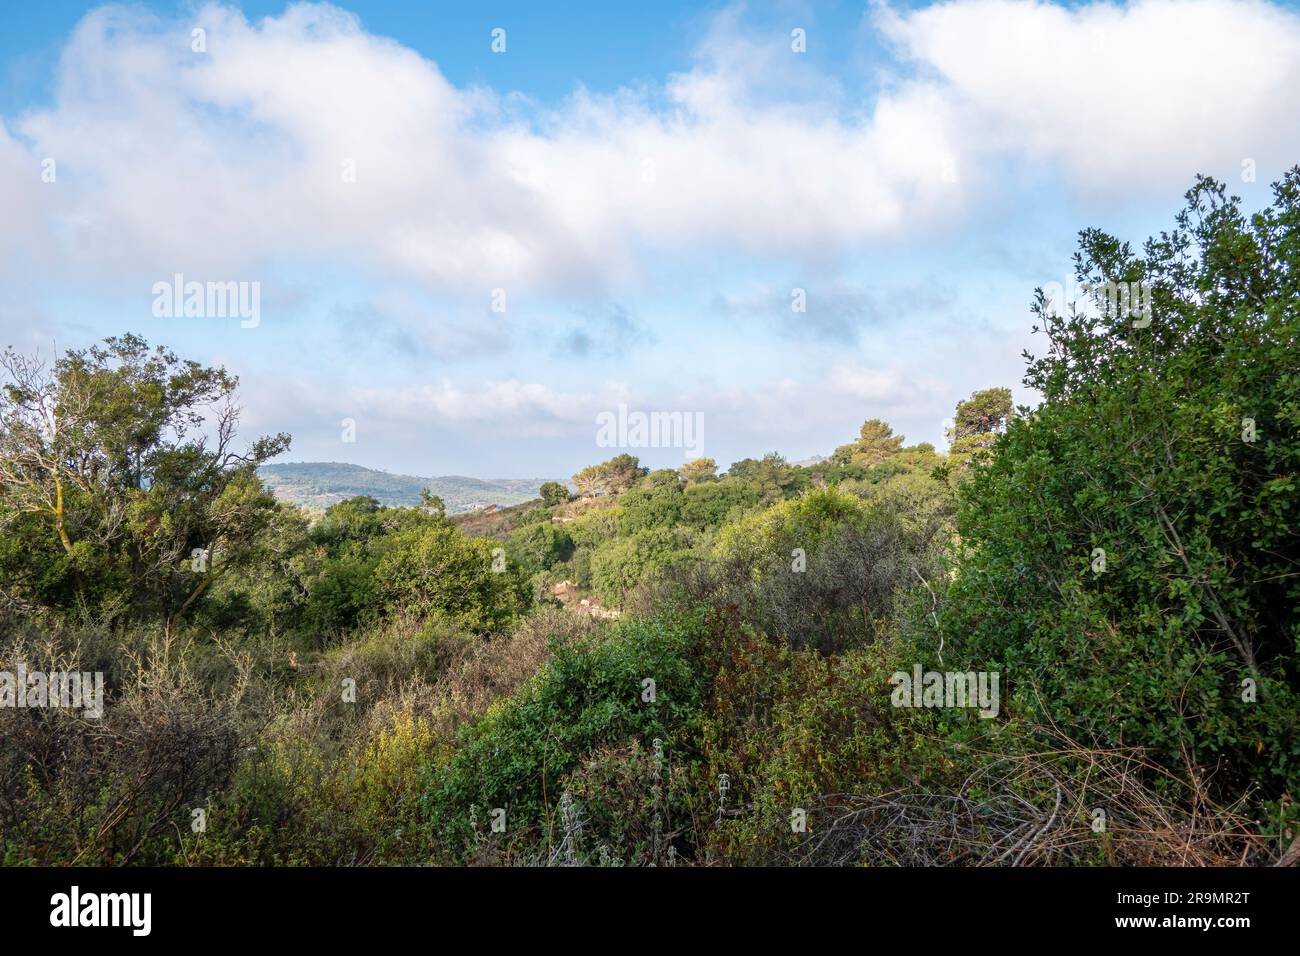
(1129, 551)
(438, 570)
(622, 563)
(587, 696)
(540, 546)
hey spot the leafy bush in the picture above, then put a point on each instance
(1129, 551)
(540, 546)
(623, 563)
(588, 695)
(437, 570)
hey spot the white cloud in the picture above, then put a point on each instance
(220, 163)
(405, 416)
(1121, 96)
(887, 388)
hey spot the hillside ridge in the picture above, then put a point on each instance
(319, 484)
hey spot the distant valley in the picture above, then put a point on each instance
(319, 484)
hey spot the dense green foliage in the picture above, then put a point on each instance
(113, 498)
(589, 695)
(1173, 449)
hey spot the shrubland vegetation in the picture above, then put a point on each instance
(389, 685)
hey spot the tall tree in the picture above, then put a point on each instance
(769, 476)
(978, 420)
(553, 493)
(701, 469)
(876, 443)
(610, 477)
(120, 491)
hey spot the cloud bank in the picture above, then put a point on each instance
(305, 135)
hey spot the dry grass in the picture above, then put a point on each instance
(1039, 809)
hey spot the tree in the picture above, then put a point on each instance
(610, 477)
(355, 519)
(979, 419)
(553, 493)
(701, 469)
(540, 546)
(876, 443)
(432, 504)
(710, 504)
(436, 570)
(655, 501)
(619, 565)
(119, 499)
(769, 476)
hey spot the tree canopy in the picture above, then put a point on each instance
(121, 491)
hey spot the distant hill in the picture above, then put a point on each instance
(319, 484)
(809, 462)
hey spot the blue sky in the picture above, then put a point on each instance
(644, 186)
